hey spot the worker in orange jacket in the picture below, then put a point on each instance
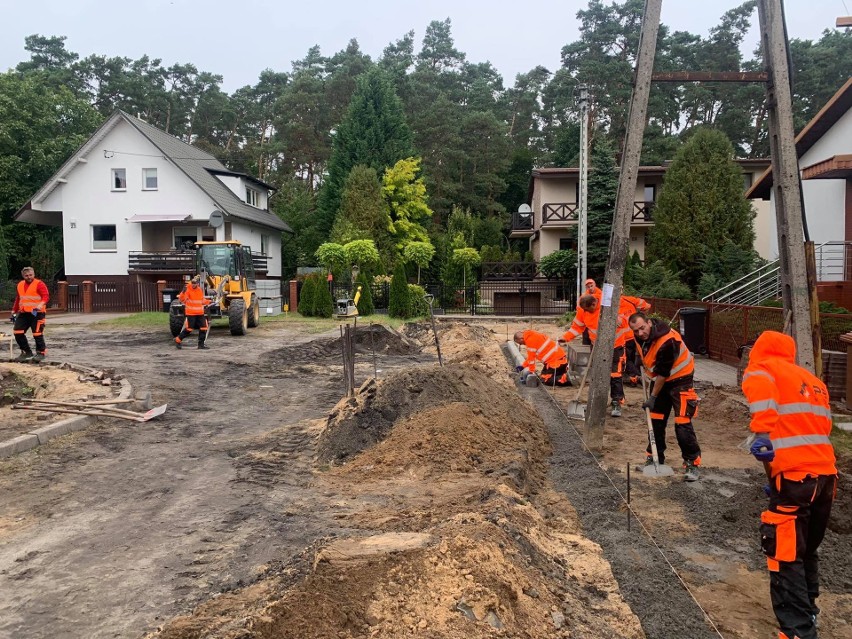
(670, 366)
(590, 289)
(543, 349)
(629, 305)
(791, 420)
(194, 302)
(29, 311)
(586, 320)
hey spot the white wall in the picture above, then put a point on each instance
(250, 236)
(87, 198)
(825, 200)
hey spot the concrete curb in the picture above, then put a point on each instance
(43, 434)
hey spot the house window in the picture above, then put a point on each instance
(264, 245)
(103, 237)
(119, 179)
(251, 197)
(567, 244)
(577, 192)
(149, 179)
(185, 237)
(747, 181)
(650, 193)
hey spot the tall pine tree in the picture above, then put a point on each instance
(603, 187)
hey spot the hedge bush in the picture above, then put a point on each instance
(398, 304)
(365, 303)
(306, 297)
(417, 304)
(323, 304)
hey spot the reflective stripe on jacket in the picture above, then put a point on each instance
(791, 404)
(540, 347)
(684, 363)
(29, 297)
(194, 300)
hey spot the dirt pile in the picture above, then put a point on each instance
(462, 343)
(368, 338)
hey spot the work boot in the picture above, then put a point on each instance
(691, 473)
(204, 346)
(616, 408)
(24, 357)
(178, 344)
(38, 357)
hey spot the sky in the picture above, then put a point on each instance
(239, 39)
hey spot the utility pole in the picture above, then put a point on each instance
(583, 223)
(788, 188)
(620, 238)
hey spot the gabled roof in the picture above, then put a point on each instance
(196, 164)
(827, 117)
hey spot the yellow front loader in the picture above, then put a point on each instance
(227, 273)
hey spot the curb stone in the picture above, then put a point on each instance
(43, 434)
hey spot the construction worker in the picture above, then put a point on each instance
(29, 312)
(540, 347)
(194, 302)
(590, 289)
(791, 422)
(587, 319)
(629, 305)
(669, 365)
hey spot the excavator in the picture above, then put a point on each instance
(227, 274)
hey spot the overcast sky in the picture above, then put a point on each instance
(240, 39)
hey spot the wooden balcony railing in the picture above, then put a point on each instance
(643, 212)
(522, 221)
(554, 213)
(177, 262)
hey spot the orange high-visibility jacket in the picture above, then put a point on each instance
(194, 300)
(630, 305)
(683, 363)
(585, 320)
(30, 296)
(540, 347)
(790, 404)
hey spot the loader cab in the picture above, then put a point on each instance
(218, 259)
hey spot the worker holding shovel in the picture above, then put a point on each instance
(669, 365)
(194, 303)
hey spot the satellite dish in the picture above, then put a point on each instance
(216, 219)
(524, 208)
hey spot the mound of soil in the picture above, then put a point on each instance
(360, 422)
(367, 339)
(463, 343)
(12, 387)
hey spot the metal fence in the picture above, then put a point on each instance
(732, 326)
(9, 289)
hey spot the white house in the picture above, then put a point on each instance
(133, 195)
(824, 149)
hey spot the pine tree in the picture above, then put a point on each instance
(323, 304)
(306, 297)
(603, 187)
(398, 304)
(364, 213)
(701, 207)
(373, 133)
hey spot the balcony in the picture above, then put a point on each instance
(509, 270)
(560, 214)
(643, 213)
(177, 262)
(522, 225)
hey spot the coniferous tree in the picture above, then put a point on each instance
(323, 303)
(374, 133)
(701, 207)
(603, 187)
(365, 302)
(306, 297)
(398, 304)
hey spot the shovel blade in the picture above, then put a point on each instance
(660, 470)
(154, 412)
(576, 410)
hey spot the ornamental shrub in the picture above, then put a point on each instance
(398, 304)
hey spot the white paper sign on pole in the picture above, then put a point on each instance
(606, 299)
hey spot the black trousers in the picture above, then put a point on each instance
(555, 376)
(631, 368)
(616, 373)
(680, 396)
(194, 321)
(791, 532)
(35, 323)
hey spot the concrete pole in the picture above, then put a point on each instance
(786, 185)
(620, 238)
(583, 225)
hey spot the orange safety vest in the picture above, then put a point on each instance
(683, 365)
(791, 404)
(584, 320)
(540, 347)
(28, 297)
(193, 300)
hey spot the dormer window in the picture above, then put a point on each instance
(119, 179)
(251, 197)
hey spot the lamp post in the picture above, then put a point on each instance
(583, 218)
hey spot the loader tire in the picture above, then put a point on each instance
(254, 312)
(175, 324)
(238, 317)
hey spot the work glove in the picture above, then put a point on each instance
(35, 312)
(762, 449)
(767, 490)
(518, 369)
(649, 403)
(13, 317)
(524, 374)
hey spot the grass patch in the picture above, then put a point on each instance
(148, 319)
(842, 442)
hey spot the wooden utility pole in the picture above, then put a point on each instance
(620, 238)
(788, 189)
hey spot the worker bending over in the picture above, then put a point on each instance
(587, 319)
(29, 311)
(629, 305)
(543, 349)
(791, 417)
(194, 302)
(670, 366)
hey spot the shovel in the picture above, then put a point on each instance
(96, 411)
(657, 469)
(576, 409)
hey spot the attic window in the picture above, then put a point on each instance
(149, 179)
(119, 179)
(251, 197)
